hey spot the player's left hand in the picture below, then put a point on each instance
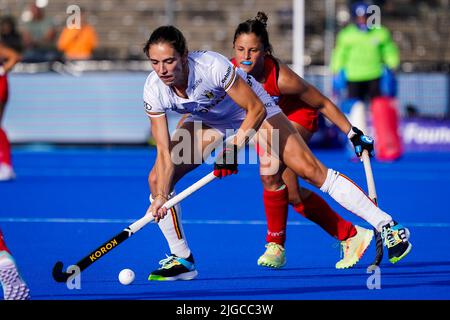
(226, 161)
(361, 142)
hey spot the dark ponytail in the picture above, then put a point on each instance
(258, 26)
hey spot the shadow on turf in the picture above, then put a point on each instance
(387, 269)
(408, 272)
(254, 293)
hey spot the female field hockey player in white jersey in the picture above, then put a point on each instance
(222, 97)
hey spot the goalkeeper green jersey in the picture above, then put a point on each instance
(362, 54)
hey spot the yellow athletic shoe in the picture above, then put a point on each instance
(354, 247)
(274, 257)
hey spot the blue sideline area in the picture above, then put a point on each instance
(67, 201)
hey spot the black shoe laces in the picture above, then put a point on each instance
(389, 240)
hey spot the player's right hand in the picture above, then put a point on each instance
(226, 162)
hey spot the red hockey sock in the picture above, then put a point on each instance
(5, 148)
(2, 243)
(316, 209)
(276, 206)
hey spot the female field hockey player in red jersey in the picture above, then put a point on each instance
(301, 103)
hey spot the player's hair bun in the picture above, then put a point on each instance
(262, 17)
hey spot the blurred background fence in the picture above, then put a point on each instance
(106, 107)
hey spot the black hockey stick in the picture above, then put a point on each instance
(62, 276)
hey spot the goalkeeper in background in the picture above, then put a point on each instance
(361, 55)
(363, 62)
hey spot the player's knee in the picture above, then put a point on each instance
(271, 182)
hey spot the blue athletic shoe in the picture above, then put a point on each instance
(175, 268)
(396, 239)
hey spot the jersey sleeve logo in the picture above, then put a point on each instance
(148, 107)
(229, 77)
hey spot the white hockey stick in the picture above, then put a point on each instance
(373, 196)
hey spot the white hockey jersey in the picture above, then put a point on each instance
(210, 76)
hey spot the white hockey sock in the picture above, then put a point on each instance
(172, 229)
(352, 198)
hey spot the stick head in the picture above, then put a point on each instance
(58, 274)
(379, 249)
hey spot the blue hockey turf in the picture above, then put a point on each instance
(66, 202)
